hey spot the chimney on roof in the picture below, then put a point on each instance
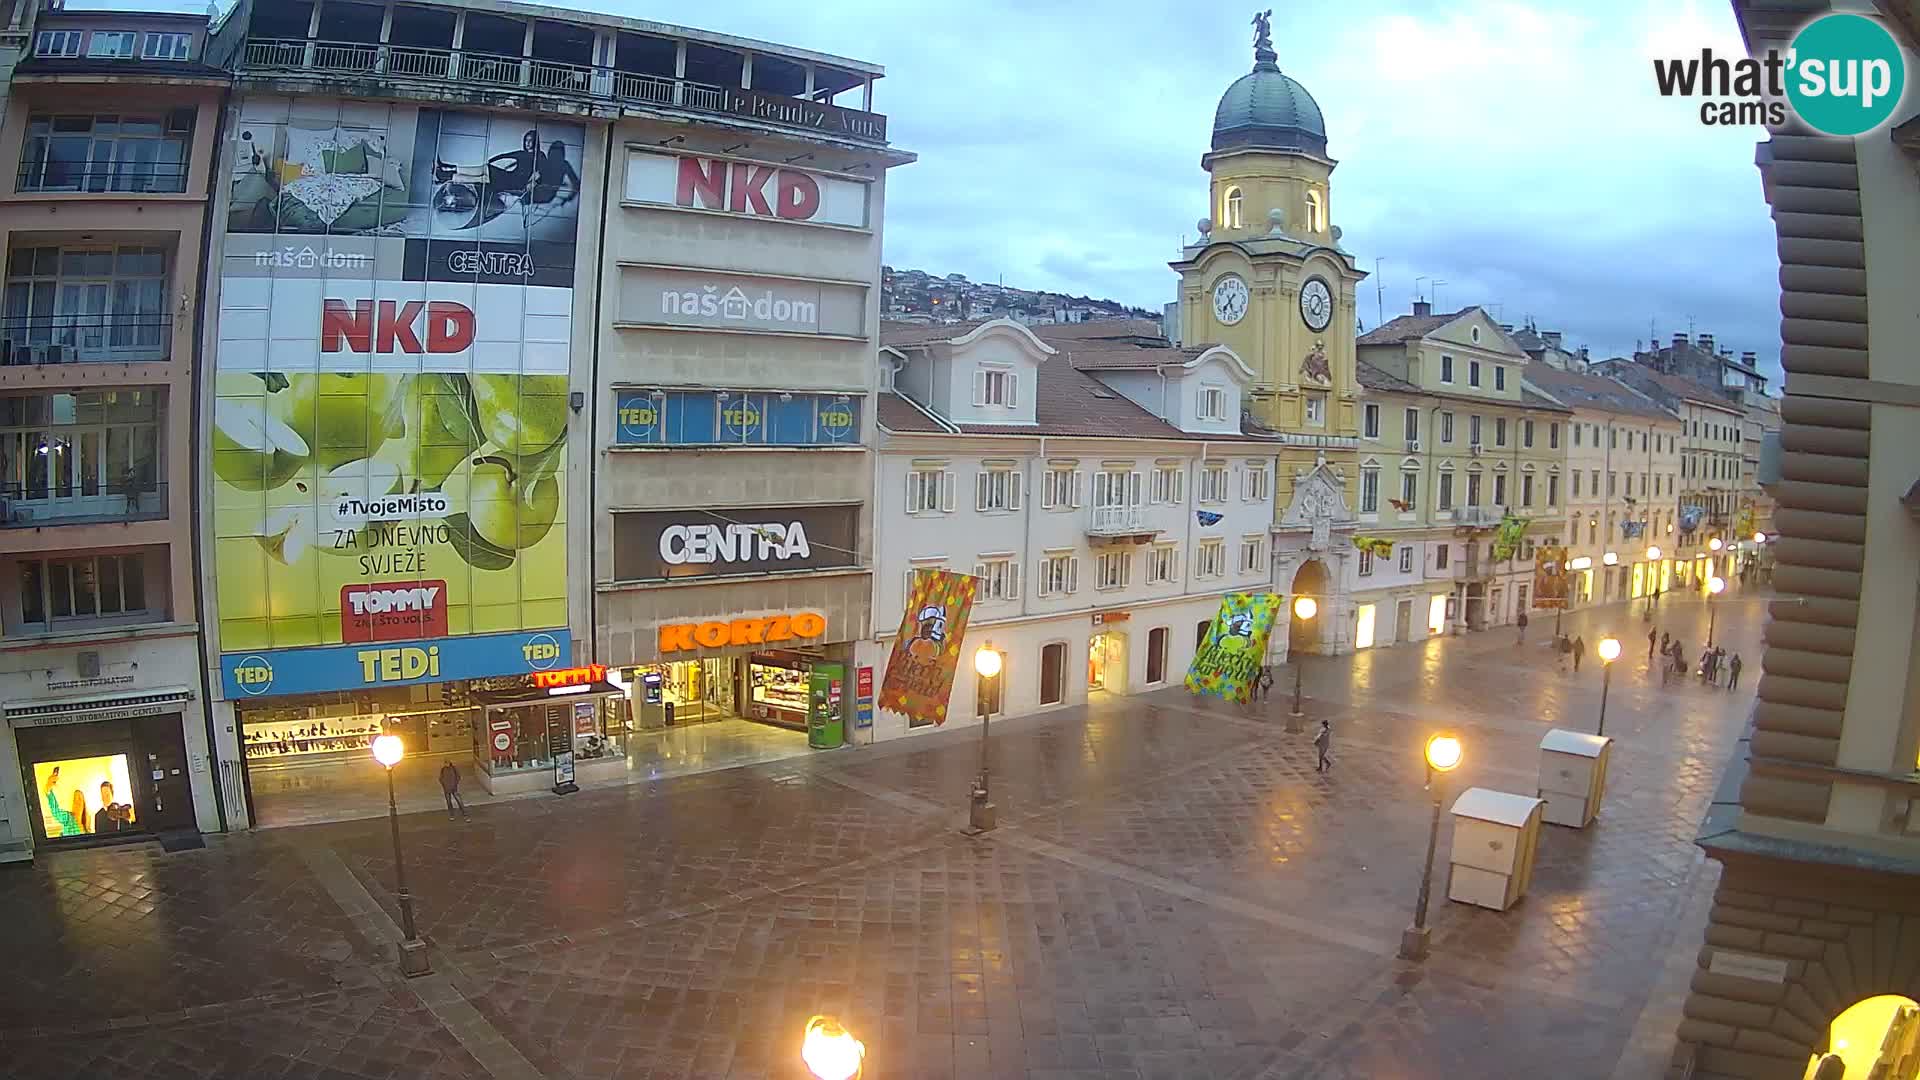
(1583, 357)
(1679, 341)
(1553, 338)
(1422, 308)
(1749, 358)
(1706, 343)
(1506, 328)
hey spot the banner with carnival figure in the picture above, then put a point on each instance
(919, 679)
(1229, 660)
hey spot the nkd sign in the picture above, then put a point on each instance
(660, 297)
(747, 188)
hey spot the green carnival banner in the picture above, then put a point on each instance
(1229, 660)
(1507, 540)
(919, 679)
(1381, 547)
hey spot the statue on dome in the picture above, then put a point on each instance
(1263, 29)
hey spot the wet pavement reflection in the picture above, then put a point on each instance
(1174, 891)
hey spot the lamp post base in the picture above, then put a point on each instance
(982, 815)
(413, 959)
(1414, 941)
(1294, 726)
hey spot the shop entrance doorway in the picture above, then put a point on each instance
(106, 781)
(1107, 662)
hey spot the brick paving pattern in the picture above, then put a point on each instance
(1173, 892)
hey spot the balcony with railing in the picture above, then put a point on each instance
(81, 501)
(1109, 521)
(399, 68)
(86, 339)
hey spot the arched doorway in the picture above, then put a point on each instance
(1875, 1037)
(1304, 635)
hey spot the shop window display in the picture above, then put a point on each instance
(85, 796)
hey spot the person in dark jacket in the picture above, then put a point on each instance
(1579, 650)
(1733, 671)
(1652, 643)
(450, 787)
(1323, 742)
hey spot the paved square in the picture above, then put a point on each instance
(1173, 892)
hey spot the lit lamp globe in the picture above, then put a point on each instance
(1715, 544)
(1609, 650)
(1759, 538)
(1443, 753)
(1610, 558)
(830, 1050)
(1304, 607)
(388, 750)
(1653, 554)
(986, 662)
(1716, 585)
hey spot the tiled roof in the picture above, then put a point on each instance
(1406, 327)
(1583, 391)
(1109, 355)
(1539, 401)
(1072, 402)
(1645, 378)
(908, 334)
(1374, 378)
(898, 414)
(1099, 328)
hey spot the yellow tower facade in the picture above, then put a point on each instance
(1269, 279)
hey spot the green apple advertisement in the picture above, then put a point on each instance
(391, 407)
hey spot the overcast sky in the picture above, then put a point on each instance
(1517, 151)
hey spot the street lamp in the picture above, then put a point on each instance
(1715, 544)
(830, 1050)
(1653, 577)
(1653, 553)
(1609, 652)
(388, 750)
(1759, 538)
(1443, 754)
(1304, 609)
(1715, 586)
(986, 664)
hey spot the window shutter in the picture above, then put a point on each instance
(980, 489)
(979, 387)
(1013, 581)
(980, 573)
(1013, 390)
(1073, 574)
(1076, 489)
(913, 492)
(1013, 489)
(946, 490)
(1133, 489)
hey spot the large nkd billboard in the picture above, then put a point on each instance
(391, 399)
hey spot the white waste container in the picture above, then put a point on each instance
(1573, 775)
(1495, 834)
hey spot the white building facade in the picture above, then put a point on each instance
(1103, 534)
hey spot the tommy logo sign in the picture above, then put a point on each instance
(393, 611)
(393, 326)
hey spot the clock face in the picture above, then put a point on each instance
(1316, 304)
(1230, 300)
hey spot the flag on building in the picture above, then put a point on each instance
(1229, 659)
(919, 678)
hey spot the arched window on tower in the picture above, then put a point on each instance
(1230, 209)
(1316, 213)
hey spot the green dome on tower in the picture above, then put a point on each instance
(1266, 109)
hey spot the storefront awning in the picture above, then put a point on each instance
(89, 708)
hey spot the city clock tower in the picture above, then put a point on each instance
(1269, 280)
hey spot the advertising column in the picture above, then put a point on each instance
(391, 399)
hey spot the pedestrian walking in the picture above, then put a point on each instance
(450, 788)
(1323, 742)
(1652, 641)
(1522, 639)
(1666, 644)
(1579, 650)
(1733, 671)
(1266, 682)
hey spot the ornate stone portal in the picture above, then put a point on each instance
(1315, 533)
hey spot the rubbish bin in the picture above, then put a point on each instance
(1495, 834)
(826, 728)
(1573, 776)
